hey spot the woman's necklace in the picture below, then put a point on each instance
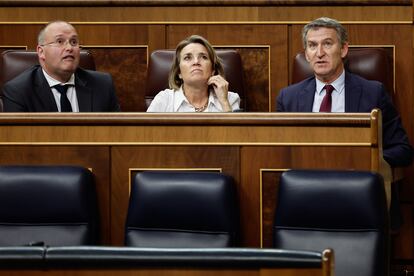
(197, 109)
(201, 108)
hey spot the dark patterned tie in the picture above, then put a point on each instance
(326, 104)
(65, 105)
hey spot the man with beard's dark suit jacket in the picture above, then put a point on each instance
(30, 92)
(361, 95)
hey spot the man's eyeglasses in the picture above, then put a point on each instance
(60, 42)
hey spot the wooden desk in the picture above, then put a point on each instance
(254, 148)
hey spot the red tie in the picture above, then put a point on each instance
(327, 100)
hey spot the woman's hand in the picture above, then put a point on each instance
(221, 88)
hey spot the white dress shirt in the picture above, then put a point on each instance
(338, 95)
(170, 100)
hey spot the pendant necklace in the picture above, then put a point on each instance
(201, 108)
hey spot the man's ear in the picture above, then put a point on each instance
(344, 50)
(306, 56)
(40, 52)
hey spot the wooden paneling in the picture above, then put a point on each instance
(256, 78)
(343, 13)
(212, 13)
(128, 67)
(121, 3)
(27, 35)
(114, 34)
(268, 201)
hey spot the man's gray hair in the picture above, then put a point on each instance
(325, 22)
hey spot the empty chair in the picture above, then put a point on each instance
(370, 63)
(342, 210)
(160, 64)
(182, 209)
(47, 205)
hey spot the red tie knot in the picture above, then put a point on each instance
(326, 104)
(329, 88)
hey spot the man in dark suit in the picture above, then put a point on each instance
(332, 89)
(326, 44)
(58, 84)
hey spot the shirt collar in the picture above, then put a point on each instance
(338, 84)
(180, 99)
(213, 100)
(52, 82)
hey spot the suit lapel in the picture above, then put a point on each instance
(84, 94)
(44, 93)
(306, 97)
(353, 93)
